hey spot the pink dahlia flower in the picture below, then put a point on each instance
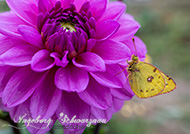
(64, 58)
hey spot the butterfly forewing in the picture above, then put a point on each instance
(146, 80)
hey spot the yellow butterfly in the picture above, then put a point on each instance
(147, 80)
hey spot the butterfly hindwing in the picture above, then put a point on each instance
(146, 80)
(170, 84)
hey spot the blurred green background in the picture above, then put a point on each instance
(165, 29)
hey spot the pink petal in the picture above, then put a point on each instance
(20, 86)
(10, 34)
(90, 44)
(46, 98)
(7, 43)
(25, 9)
(122, 93)
(79, 3)
(20, 55)
(97, 8)
(5, 74)
(113, 77)
(96, 95)
(127, 29)
(72, 106)
(90, 62)
(31, 35)
(106, 29)
(57, 57)
(105, 115)
(6, 21)
(71, 79)
(42, 61)
(23, 112)
(114, 11)
(44, 6)
(111, 52)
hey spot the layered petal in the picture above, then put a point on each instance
(5, 74)
(72, 108)
(71, 79)
(111, 51)
(19, 55)
(46, 98)
(7, 23)
(97, 8)
(25, 9)
(106, 29)
(20, 86)
(90, 62)
(113, 11)
(128, 27)
(105, 115)
(31, 35)
(112, 77)
(42, 61)
(96, 95)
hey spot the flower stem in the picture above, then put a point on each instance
(97, 128)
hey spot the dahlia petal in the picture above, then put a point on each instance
(106, 29)
(20, 86)
(26, 10)
(114, 11)
(112, 77)
(6, 21)
(20, 55)
(5, 74)
(96, 95)
(22, 113)
(64, 62)
(16, 113)
(46, 98)
(81, 110)
(42, 61)
(71, 79)
(41, 128)
(44, 6)
(122, 93)
(108, 52)
(97, 8)
(2, 106)
(117, 104)
(31, 35)
(78, 4)
(90, 62)
(90, 44)
(7, 43)
(105, 115)
(127, 29)
(10, 34)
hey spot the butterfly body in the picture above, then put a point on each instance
(147, 80)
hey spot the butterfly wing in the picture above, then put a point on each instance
(170, 84)
(146, 80)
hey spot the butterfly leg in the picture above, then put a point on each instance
(120, 72)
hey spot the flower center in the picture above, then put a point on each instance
(67, 30)
(68, 26)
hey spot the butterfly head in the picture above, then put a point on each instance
(135, 58)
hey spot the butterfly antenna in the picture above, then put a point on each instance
(134, 45)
